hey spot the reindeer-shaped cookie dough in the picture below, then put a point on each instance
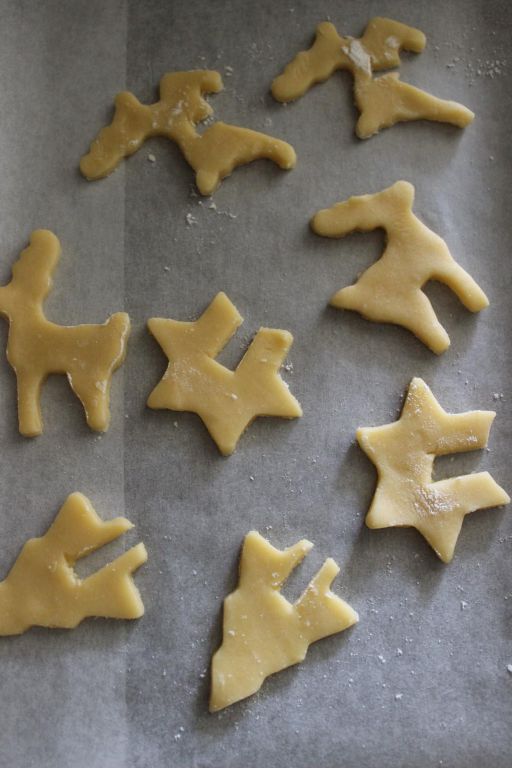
(227, 401)
(264, 633)
(213, 155)
(87, 354)
(390, 291)
(42, 588)
(382, 101)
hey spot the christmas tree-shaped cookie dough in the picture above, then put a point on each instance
(213, 154)
(227, 401)
(87, 354)
(382, 101)
(404, 453)
(42, 589)
(390, 291)
(264, 633)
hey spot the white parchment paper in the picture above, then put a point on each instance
(422, 680)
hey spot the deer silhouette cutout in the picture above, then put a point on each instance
(404, 454)
(382, 101)
(263, 632)
(390, 291)
(36, 347)
(226, 401)
(42, 588)
(213, 155)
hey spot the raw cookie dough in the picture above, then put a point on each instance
(42, 588)
(390, 291)
(227, 401)
(404, 454)
(87, 354)
(264, 633)
(213, 155)
(382, 101)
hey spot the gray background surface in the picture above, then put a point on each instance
(117, 695)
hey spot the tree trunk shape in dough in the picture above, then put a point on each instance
(262, 632)
(213, 155)
(404, 453)
(42, 588)
(87, 354)
(227, 401)
(390, 291)
(381, 101)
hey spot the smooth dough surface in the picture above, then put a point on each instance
(227, 401)
(404, 453)
(264, 633)
(87, 354)
(390, 291)
(213, 155)
(42, 588)
(382, 101)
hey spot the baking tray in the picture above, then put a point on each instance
(134, 694)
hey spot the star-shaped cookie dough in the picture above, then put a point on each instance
(404, 454)
(227, 401)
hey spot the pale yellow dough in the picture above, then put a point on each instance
(227, 401)
(42, 589)
(213, 155)
(382, 101)
(390, 291)
(87, 354)
(264, 633)
(404, 453)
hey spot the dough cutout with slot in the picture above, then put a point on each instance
(227, 401)
(43, 590)
(263, 633)
(403, 453)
